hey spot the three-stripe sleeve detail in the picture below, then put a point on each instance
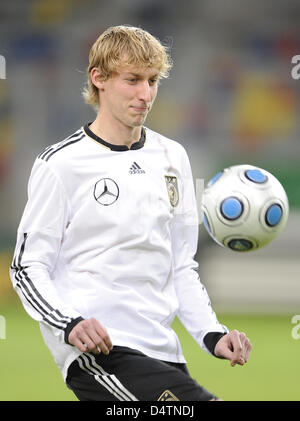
(51, 150)
(32, 295)
(88, 363)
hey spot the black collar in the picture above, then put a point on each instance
(119, 148)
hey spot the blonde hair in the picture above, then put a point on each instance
(124, 45)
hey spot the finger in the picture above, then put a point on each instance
(248, 350)
(237, 348)
(79, 344)
(90, 336)
(241, 361)
(80, 339)
(96, 350)
(99, 346)
(247, 347)
(95, 343)
(91, 333)
(87, 342)
(243, 339)
(105, 338)
(102, 340)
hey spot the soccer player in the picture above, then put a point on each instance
(104, 258)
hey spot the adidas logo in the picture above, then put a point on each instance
(136, 169)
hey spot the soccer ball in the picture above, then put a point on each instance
(244, 208)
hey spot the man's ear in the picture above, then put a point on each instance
(96, 78)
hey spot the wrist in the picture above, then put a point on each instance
(70, 326)
(211, 339)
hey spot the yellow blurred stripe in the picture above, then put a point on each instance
(6, 289)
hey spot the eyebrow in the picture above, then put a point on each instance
(154, 75)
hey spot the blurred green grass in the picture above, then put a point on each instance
(28, 371)
(272, 372)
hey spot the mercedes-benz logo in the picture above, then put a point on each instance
(106, 191)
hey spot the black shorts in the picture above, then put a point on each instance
(129, 375)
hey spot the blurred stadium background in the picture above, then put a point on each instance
(230, 99)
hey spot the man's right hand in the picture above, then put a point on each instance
(90, 336)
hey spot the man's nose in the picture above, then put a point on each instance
(145, 92)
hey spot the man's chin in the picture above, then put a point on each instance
(138, 122)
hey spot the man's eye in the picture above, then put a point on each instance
(152, 81)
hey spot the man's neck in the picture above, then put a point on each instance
(117, 133)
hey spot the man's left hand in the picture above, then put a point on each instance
(235, 347)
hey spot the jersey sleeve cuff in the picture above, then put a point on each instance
(211, 339)
(70, 326)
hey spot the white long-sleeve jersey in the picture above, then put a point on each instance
(111, 233)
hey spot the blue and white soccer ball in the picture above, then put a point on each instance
(244, 208)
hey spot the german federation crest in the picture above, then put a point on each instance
(172, 186)
(167, 396)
